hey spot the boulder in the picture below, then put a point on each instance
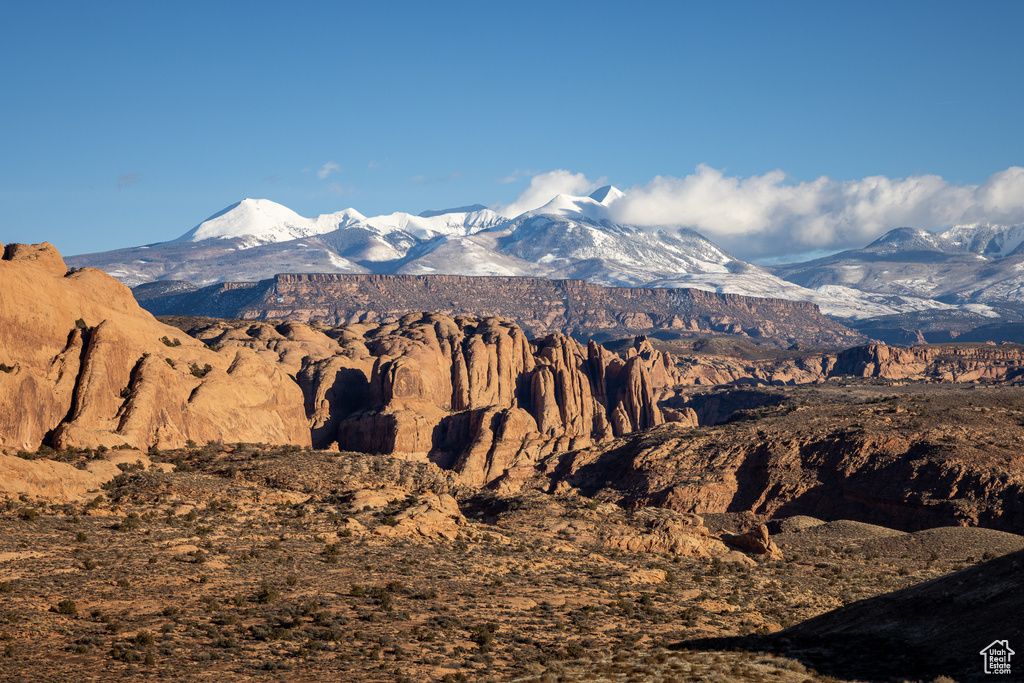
(756, 541)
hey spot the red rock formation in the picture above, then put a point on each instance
(938, 362)
(756, 540)
(86, 366)
(813, 463)
(475, 395)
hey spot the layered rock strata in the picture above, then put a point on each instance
(538, 305)
(933, 363)
(938, 362)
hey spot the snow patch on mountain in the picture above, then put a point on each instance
(834, 300)
(423, 227)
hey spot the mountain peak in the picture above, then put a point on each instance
(256, 221)
(904, 240)
(607, 194)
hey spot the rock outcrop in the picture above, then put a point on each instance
(470, 394)
(933, 363)
(432, 516)
(82, 365)
(953, 464)
(756, 541)
(476, 396)
(61, 482)
(672, 534)
(938, 362)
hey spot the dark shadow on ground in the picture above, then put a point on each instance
(937, 628)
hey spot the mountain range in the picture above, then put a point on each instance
(969, 274)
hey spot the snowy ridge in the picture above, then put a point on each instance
(984, 239)
(991, 241)
(261, 221)
(428, 227)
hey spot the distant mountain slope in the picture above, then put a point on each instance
(260, 221)
(567, 238)
(964, 264)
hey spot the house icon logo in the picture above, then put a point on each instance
(997, 657)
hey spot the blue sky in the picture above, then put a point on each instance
(129, 123)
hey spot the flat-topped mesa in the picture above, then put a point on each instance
(936, 362)
(540, 306)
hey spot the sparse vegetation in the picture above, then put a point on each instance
(199, 372)
(527, 588)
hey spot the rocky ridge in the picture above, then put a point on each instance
(933, 363)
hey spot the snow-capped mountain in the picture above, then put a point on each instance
(260, 221)
(983, 239)
(964, 264)
(990, 241)
(576, 237)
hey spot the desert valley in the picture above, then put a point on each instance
(713, 487)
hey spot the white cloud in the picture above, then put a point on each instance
(766, 215)
(327, 169)
(770, 215)
(544, 187)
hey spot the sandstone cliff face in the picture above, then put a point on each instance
(539, 306)
(940, 362)
(84, 366)
(934, 363)
(476, 396)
